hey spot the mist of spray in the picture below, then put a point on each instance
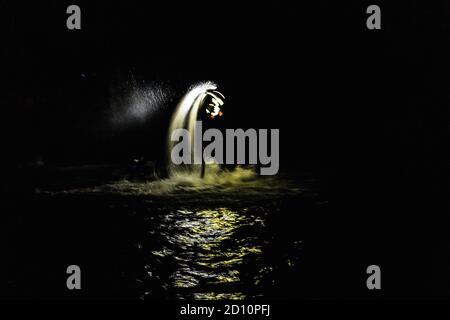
(137, 103)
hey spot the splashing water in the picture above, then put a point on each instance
(185, 181)
(218, 186)
(185, 117)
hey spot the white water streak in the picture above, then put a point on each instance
(184, 117)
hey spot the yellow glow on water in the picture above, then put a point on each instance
(219, 296)
(218, 186)
(207, 231)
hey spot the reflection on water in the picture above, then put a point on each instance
(204, 257)
(229, 236)
(211, 253)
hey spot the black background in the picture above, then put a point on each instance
(364, 110)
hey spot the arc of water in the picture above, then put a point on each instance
(185, 116)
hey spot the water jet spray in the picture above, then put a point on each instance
(185, 117)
